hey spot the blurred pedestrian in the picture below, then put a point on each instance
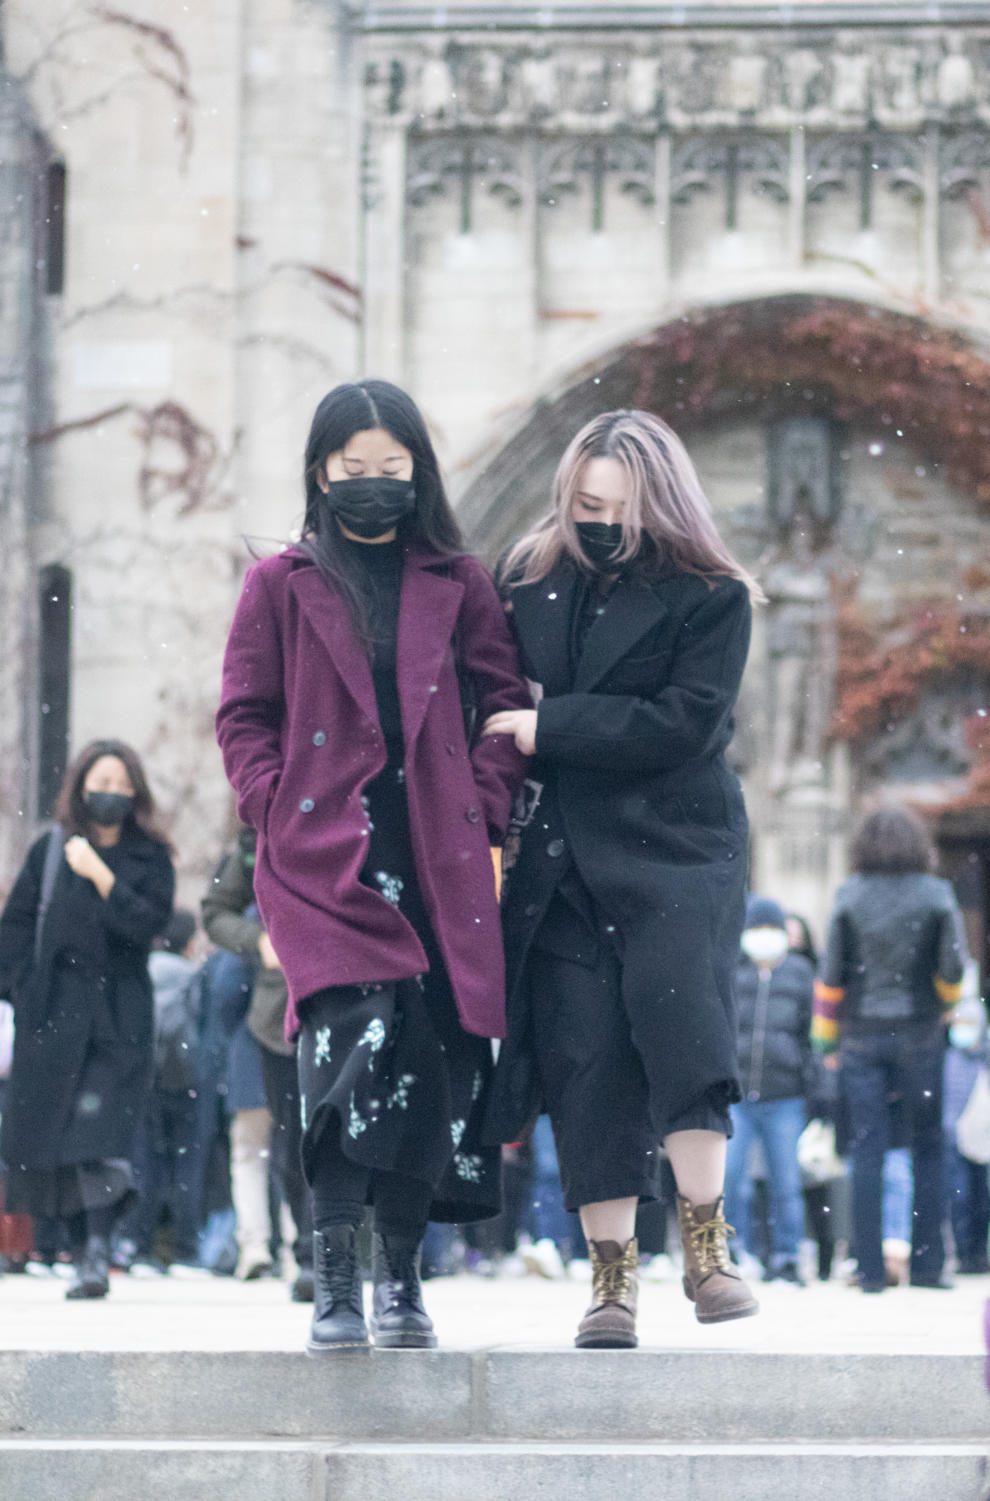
(775, 997)
(232, 920)
(74, 941)
(966, 1175)
(356, 668)
(167, 1157)
(623, 912)
(892, 971)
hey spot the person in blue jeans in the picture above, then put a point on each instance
(893, 969)
(775, 997)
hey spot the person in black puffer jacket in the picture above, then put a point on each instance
(775, 996)
(893, 969)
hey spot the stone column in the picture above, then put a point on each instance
(383, 250)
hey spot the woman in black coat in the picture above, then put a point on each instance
(74, 941)
(624, 908)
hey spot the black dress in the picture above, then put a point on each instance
(388, 1065)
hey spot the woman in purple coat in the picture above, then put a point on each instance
(357, 665)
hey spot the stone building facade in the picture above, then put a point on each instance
(769, 224)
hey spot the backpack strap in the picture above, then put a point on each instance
(49, 874)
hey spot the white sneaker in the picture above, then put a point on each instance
(542, 1259)
(512, 1266)
(146, 1271)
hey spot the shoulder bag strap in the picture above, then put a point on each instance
(53, 859)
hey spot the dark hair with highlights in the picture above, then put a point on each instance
(893, 842)
(70, 809)
(355, 408)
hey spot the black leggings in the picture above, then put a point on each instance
(342, 1188)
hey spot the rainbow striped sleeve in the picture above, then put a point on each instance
(948, 992)
(825, 1017)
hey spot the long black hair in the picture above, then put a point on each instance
(344, 411)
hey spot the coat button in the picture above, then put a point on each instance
(555, 848)
(307, 805)
(472, 815)
(451, 750)
(531, 909)
(319, 738)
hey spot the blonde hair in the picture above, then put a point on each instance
(666, 504)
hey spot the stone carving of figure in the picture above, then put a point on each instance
(538, 75)
(747, 79)
(484, 83)
(436, 89)
(956, 77)
(801, 643)
(802, 73)
(591, 85)
(902, 77)
(852, 76)
(643, 87)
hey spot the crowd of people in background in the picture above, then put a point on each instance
(860, 1146)
(669, 1050)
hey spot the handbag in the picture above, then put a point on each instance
(973, 1126)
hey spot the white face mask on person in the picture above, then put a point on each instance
(764, 945)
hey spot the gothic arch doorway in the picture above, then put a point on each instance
(846, 451)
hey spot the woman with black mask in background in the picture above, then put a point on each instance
(74, 941)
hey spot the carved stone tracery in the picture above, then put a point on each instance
(900, 79)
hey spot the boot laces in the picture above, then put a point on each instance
(613, 1279)
(711, 1244)
(336, 1277)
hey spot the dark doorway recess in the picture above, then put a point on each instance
(54, 670)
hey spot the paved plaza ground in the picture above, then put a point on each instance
(473, 1313)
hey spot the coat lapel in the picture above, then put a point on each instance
(542, 614)
(633, 609)
(428, 609)
(328, 616)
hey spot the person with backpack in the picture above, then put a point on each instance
(74, 941)
(167, 1160)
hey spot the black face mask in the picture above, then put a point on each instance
(108, 808)
(369, 507)
(599, 542)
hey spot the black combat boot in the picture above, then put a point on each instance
(338, 1305)
(92, 1269)
(398, 1319)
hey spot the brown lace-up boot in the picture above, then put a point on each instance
(711, 1281)
(610, 1322)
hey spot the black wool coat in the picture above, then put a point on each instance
(83, 1011)
(630, 789)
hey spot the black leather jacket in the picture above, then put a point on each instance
(896, 948)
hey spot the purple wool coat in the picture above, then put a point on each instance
(299, 731)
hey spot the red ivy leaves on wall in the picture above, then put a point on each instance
(866, 363)
(879, 683)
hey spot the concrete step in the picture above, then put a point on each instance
(95, 1470)
(547, 1396)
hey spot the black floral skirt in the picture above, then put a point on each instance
(388, 1066)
